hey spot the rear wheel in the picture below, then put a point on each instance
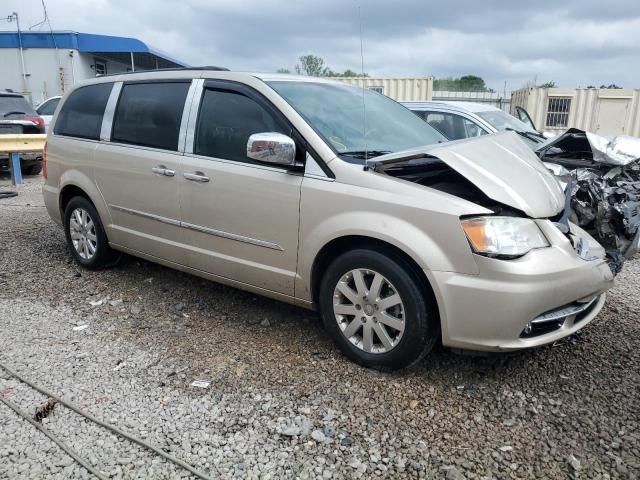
(85, 235)
(376, 312)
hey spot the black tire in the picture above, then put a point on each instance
(421, 323)
(104, 255)
(32, 170)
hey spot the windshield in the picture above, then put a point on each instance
(335, 112)
(503, 121)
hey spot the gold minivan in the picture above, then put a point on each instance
(327, 196)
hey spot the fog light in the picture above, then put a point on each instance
(527, 329)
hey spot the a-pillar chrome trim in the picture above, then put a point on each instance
(200, 228)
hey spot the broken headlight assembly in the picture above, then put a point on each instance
(503, 237)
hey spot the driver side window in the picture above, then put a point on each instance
(227, 120)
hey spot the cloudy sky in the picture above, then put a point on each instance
(575, 43)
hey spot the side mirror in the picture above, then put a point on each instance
(272, 147)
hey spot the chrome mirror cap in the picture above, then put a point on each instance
(272, 147)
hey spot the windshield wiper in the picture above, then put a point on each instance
(536, 137)
(15, 112)
(365, 153)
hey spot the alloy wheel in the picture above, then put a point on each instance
(369, 311)
(83, 234)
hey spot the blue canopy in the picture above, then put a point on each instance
(117, 48)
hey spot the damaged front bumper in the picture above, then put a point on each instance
(505, 306)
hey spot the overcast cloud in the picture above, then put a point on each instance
(575, 43)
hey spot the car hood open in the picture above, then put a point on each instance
(500, 165)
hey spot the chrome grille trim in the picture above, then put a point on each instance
(564, 312)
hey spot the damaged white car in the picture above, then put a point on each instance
(323, 195)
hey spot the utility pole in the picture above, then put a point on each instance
(11, 18)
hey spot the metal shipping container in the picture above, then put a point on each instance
(400, 89)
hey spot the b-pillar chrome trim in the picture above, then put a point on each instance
(201, 229)
(194, 105)
(107, 119)
(195, 91)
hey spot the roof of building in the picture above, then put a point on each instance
(114, 48)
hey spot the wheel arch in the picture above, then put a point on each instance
(340, 245)
(74, 183)
(67, 193)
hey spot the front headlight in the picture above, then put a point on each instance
(503, 236)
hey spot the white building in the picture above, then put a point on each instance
(41, 65)
(599, 110)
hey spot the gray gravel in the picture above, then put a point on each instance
(282, 402)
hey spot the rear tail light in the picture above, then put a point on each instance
(44, 161)
(38, 121)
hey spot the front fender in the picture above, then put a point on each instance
(425, 248)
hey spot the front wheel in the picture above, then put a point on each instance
(376, 311)
(85, 235)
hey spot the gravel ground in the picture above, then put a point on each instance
(282, 402)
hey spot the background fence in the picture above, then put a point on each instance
(490, 98)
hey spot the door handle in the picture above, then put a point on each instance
(162, 170)
(196, 177)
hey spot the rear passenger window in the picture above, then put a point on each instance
(149, 114)
(225, 122)
(81, 114)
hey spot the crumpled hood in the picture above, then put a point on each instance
(501, 165)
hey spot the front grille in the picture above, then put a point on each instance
(554, 319)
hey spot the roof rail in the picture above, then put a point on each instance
(171, 69)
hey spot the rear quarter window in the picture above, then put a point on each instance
(149, 114)
(12, 106)
(81, 114)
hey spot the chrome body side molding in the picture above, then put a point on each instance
(201, 229)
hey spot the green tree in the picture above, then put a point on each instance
(314, 66)
(466, 83)
(472, 83)
(549, 84)
(283, 70)
(350, 73)
(311, 65)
